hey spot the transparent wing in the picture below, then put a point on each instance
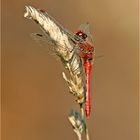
(64, 41)
(85, 27)
(42, 39)
(71, 36)
(45, 43)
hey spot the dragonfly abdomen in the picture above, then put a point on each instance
(88, 66)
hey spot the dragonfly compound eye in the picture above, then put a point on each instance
(81, 34)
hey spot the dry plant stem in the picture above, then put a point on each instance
(87, 134)
(82, 113)
(82, 110)
(79, 137)
(64, 48)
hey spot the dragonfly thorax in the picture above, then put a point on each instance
(86, 51)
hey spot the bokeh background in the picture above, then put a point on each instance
(35, 98)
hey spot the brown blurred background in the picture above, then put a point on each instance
(35, 98)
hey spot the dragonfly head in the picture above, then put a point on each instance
(81, 34)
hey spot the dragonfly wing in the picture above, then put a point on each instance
(53, 31)
(85, 27)
(45, 42)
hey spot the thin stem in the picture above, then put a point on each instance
(83, 116)
(87, 134)
(82, 110)
(79, 137)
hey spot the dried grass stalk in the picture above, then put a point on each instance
(65, 49)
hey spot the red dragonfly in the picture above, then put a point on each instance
(58, 35)
(86, 54)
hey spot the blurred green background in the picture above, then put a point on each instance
(35, 98)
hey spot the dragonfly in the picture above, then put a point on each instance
(86, 53)
(58, 35)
